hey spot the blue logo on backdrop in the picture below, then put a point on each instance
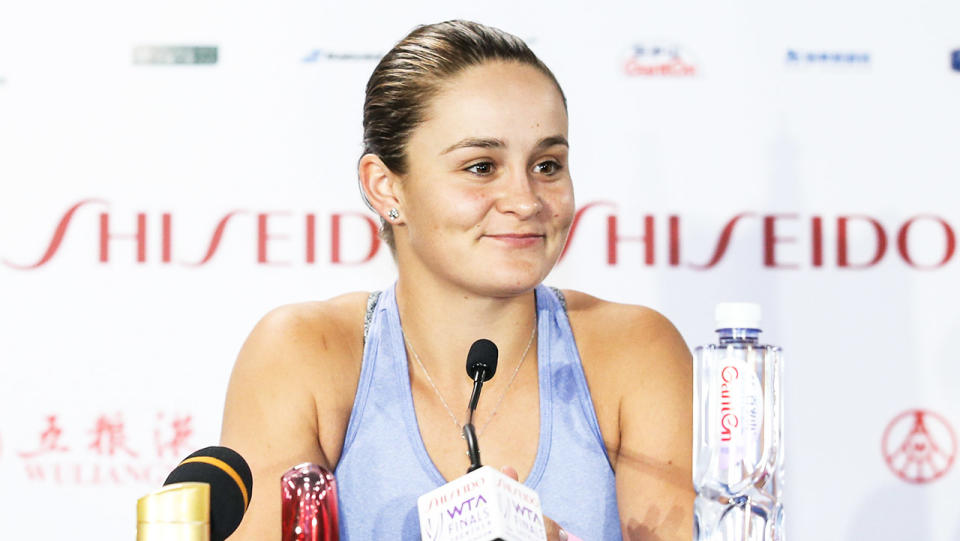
(955, 60)
(797, 57)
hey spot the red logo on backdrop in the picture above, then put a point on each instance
(105, 450)
(284, 238)
(656, 59)
(919, 446)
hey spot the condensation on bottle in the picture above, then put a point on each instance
(738, 431)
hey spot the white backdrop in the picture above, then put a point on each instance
(171, 171)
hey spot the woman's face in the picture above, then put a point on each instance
(487, 200)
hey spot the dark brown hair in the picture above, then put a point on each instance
(408, 76)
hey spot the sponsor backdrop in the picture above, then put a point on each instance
(170, 172)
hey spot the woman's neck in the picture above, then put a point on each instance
(441, 321)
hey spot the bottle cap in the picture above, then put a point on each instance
(738, 315)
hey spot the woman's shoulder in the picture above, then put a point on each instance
(634, 324)
(626, 339)
(312, 330)
(300, 363)
(316, 345)
(334, 311)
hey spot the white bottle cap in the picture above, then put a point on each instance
(738, 315)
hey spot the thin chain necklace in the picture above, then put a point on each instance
(502, 395)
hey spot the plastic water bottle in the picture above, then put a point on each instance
(738, 432)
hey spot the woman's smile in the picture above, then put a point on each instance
(516, 240)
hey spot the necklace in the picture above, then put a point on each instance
(502, 395)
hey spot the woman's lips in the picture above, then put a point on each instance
(517, 240)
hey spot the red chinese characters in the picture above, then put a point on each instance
(110, 449)
(49, 440)
(109, 436)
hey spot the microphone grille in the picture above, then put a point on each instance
(231, 485)
(482, 356)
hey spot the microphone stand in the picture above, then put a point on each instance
(469, 432)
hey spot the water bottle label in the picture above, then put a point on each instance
(740, 417)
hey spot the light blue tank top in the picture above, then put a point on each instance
(384, 466)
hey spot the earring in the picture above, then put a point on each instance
(393, 213)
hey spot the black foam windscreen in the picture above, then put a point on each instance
(482, 357)
(231, 485)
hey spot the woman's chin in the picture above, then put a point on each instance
(503, 283)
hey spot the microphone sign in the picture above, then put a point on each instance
(483, 505)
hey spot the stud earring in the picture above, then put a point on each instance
(393, 213)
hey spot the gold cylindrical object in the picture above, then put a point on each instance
(177, 512)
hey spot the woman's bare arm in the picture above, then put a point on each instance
(654, 461)
(640, 375)
(290, 368)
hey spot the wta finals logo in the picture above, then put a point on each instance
(919, 446)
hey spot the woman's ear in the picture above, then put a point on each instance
(380, 187)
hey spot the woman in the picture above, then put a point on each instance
(466, 164)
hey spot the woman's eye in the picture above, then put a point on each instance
(482, 168)
(547, 168)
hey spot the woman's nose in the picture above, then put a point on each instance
(518, 196)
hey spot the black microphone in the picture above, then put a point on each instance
(481, 366)
(482, 360)
(231, 485)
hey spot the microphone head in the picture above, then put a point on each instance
(231, 485)
(482, 359)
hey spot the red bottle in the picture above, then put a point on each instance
(310, 513)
